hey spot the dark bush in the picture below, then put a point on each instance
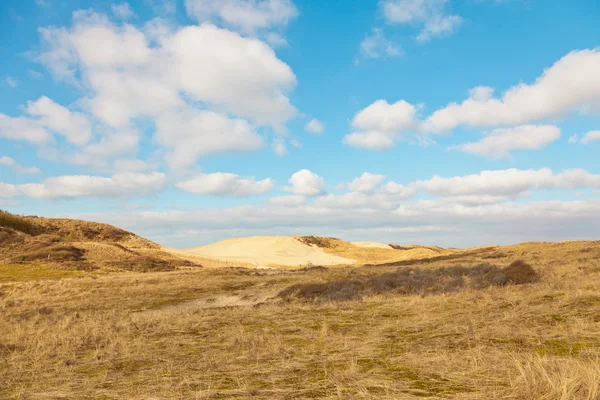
(323, 242)
(419, 281)
(340, 290)
(54, 252)
(19, 223)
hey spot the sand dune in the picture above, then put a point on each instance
(268, 250)
(372, 245)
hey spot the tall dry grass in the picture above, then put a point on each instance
(170, 335)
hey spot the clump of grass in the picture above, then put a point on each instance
(564, 379)
(410, 281)
(148, 264)
(19, 223)
(322, 242)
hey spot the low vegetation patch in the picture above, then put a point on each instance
(407, 281)
(322, 242)
(19, 223)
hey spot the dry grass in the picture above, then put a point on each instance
(222, 333)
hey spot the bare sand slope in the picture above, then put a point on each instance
(268, 250)
(372, 245)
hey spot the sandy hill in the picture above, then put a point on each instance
(81, 245)
(269, 250)
(303, 250)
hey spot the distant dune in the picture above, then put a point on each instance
(269, 250)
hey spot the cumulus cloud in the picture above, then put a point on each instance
(249, 16)
(591, 136)
(397, 191)
(25, 129)
(314, 126)
(375, 45)
(366, 183)
(305, 183)
(571, 84)
(74, 186)
(190, 134)
(380, 124)
(74, 126)
(206, 90)
(18, 168)
(500, 142)
(430, 14)
(226, 184)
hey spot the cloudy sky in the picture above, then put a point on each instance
(448, 122)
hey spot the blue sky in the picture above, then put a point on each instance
(448, 122)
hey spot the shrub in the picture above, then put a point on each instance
(19, 223)
(407, 281)
(322, 242)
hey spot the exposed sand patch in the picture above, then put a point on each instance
(268, 250)
(372, 245)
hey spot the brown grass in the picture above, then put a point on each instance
(223, 333)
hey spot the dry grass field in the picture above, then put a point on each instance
(456, 325)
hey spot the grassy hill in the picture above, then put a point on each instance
(515, 322)
(67, 244)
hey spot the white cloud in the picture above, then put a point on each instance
(506, 184)
(74, 126)
(571, 84)
(8, 190)
(591, 136)
(12, 82)
(384, 117)
(200, 86)
(428, 13)
(381, 123)
(314, 126)
(191, 134)
(375, 45)
(73, 186)
(397, 191)
(42, 3)
(305, 183)
(248, 16)
(500, 142)
(371, 140)
(366, 183)
(287, 201)
(18, 168)
(226, 184)
(19, 128)
(122, 11)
